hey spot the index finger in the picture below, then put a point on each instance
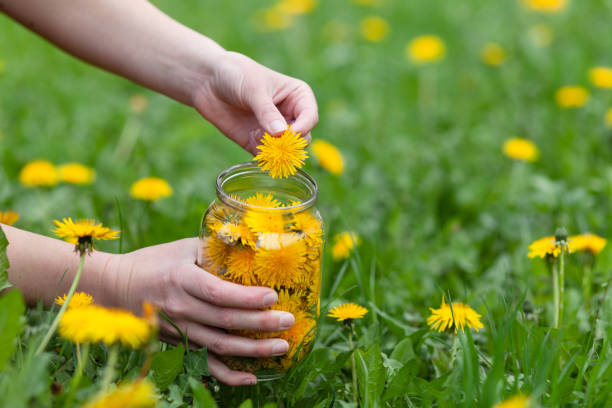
(212, 289)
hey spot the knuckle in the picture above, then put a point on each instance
(220, 346)
(215, 293)
(227, 319)
(174, 308)
(262, 349)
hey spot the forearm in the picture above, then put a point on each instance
(130, 38)
(38, 263)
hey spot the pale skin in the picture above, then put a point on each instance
(242, 98)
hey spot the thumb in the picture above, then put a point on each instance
(267, 114)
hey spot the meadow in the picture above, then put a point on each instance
(441, 211)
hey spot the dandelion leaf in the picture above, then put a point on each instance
(196, 363)
(4, 263)
(11, 323)
(201, 395)
(167, 365)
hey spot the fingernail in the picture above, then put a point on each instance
(250, 381)
(280, 348)
(270, 299)
(277, 127)
(286, 321)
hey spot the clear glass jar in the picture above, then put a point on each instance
(262, 231)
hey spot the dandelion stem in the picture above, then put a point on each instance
(109, 371)
(56, 321)
(561, 284)
(555, 277)
(350, 340)
(78, 374)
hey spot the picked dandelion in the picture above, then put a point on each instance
(282, 156)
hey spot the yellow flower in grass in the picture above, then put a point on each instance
(273, 19)
(8, 217)
(521, 149)
(425, 49)
(150, 189)
(282, 156)
(138, 394)
(344, 244)
(241, 266)
(459, 316)
(547, 246)
(347, 311)
(76, 173)
(83, 232)
(93, 324)
(493, 54)
(518, 401)
(374, 28)
(545, 6)
(328, 156)
(588, 243)
(541, 35)
(571, 96)
(609, 118)
(297, 6)
(601, 77)
(39, 173)
(281, 266)
(79, 299)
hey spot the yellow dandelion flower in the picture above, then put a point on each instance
(521, 149)
(265, 222)
(297, 6)
(282, 156)
(571, 96)
(347, 311)
(545, 6)
(588, 242)
(609, 118)
(541, 35)
(150, 189)
(493, 54)
(138, 394)
(8, 217)
(262, 200)
(241, 266)
(79, 299)
(83, 232)
(273, 19)
(601, 77)
(289, 301)
(138, 103)
(374, 28)
(547, 246)
(93, 324)
(299, 337)
(328, 156)
(518, 401)
(425, 49)
(76, 173)
(310, 226)
(345, 242)
(461, 315)
(149, 313)
(280, 267)
(231, 233)
(215, 253)
(39, 173)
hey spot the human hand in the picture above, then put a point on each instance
(200, 304)
(244, 99)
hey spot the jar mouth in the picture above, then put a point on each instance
(248, 176)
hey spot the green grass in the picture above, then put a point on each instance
(439, 209)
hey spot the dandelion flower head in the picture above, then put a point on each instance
(347, 311)
(571, 96)
(76, 173)
(588, 242)
(282, 266)
(521, 149)
(297, 7)
(241, 266)
(83, 232)
(150, 189)
(8, 217)
(547, 246)
(546, 6)
(282, 156)
(426, 49)
(374, 28)
(262, 200)
(39, 173)
(328, 156)
(138, 394)
(344, 244)
(518, 401)
(493, 54)
(93, 324)
(460, 316)
(79, 299)
(601, 77)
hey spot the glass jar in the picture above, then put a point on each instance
(262, 231)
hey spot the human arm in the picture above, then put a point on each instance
(166, 275)
(137, 41)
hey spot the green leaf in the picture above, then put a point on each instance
(398, 385)
(246, 404)
(403, 352)
(370, 375)
(166, 365)
(4, 262)
(11, 323)
(201, 395)
(196, 363)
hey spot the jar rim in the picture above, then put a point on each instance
(251, 167)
